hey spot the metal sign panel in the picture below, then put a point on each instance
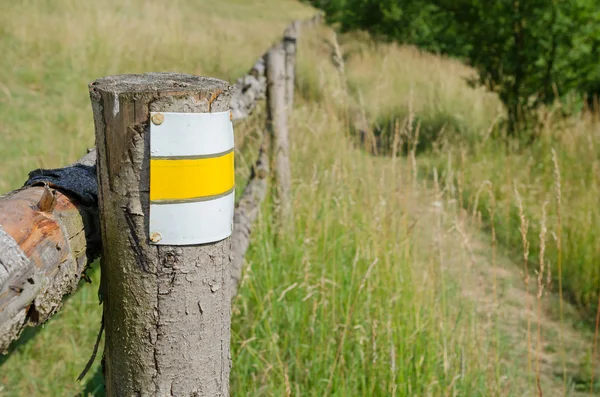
(192, 183)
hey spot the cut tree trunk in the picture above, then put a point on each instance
(48, 236)
(167, 309)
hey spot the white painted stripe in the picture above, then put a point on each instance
(191, 134)
(192, 223)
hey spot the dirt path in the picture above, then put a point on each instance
(497, 288)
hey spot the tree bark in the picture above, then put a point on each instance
(167, 308)
(48, 236)
(277, 122)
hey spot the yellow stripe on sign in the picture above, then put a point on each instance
(190, 179)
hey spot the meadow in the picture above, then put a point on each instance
(405, 275)
(461, 135)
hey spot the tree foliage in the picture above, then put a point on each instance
(530, 52)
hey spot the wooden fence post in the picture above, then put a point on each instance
(277, 123)
(289, 42)
(167, 308)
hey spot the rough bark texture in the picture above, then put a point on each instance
(278, 126)
(289, 42)
(246, 212)
(48, 236)
(167, 309)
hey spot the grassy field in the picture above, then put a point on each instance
(413, 93)
(459, 129)
(388, 287)
(53, 49)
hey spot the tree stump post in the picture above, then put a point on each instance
(277, 124)
(167, 309)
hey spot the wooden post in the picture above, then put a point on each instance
(289, 42)
(277, 123)
(167, 309)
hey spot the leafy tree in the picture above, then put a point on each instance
(528, 51)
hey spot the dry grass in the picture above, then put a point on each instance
(353, 304)
(562, 166)
(392, 79)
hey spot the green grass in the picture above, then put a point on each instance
(346, 306)
(400, 84)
